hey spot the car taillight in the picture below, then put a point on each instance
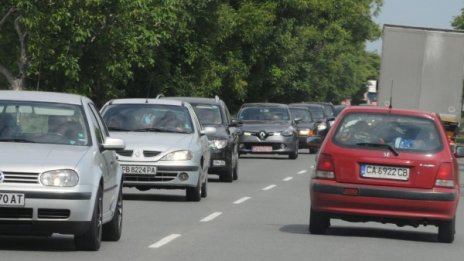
(325, 167)
(445, 176)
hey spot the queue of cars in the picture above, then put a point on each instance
(373, 164)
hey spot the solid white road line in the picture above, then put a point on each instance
(287, 178)
(269, 187)
(211, 217)
(164, 241)
(303, 171)
(242, 200)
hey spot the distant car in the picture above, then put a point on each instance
(386, 165)
(317, 111)
(307, 128)
(329, 110)
(58, 178)
(223, 142)
(166, 147)
(338, 108)
(267, 128)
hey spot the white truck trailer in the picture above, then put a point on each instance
(423, 68)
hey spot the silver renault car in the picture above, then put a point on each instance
(166, 147)
(58, 169)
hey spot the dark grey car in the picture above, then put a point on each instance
(267, 128)
(223, 142)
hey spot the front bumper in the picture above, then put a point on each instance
(221, 160)
(272, 145)
(47, 212)
(373, 202)
(313, 142)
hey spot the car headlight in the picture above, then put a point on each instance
(322, 126)
(59, 178)
(217, 144)
(287, 132)
(178, 155)
(304, 132)
(246, 133)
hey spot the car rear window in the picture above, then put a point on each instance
(403, 133)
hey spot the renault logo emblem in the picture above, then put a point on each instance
(2, 177)
(386, 154)
(138, 153)
(262, 135)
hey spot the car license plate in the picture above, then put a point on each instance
(12, 199)
(261, 149)
(144, 170)
(384, 172)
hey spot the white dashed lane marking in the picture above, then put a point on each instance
(269, 187)
(287, 178)
(211, 217)
(164, 241)
(303, 171)
(242, 200)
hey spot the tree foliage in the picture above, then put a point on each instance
(242, 50)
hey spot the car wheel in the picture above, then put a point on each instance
(112, 230)
(293, 155)
(91, 239)
(194, 193)
(236, 171)
(319, 222)
(204, 189)
(446, 231)
(228, 175)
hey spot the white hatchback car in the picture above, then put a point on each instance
(58, 169)
(166, 146)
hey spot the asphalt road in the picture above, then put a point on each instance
(262, 216)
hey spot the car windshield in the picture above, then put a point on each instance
(317, 112)
(42, 122)
(208, 114)
(265, 113)
(399, 132)
(148, 118)
(301, 113)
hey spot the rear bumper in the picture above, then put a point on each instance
(371, 201)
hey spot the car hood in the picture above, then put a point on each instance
(306, 125)
(160, 141)
(221, 132)
(267, 126)
(40, 156)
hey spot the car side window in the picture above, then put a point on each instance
(227, 114)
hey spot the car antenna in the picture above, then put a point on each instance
(148, 94)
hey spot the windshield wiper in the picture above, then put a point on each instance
(150, 129)
(17, 140)
(379, 145)
(117, 129)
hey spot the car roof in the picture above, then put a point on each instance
(273, 104)
(146, 101)
(376, 109)
(305, 104)
(43, 96)
(196, 99)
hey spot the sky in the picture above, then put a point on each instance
(420, 13)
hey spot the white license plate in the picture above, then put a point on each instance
(261, 149)
(12, 199)
(384, 172)
(145, 170)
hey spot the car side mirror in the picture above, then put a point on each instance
(297, 120)
(459, 151)
(235, 123)
(208, 130)
(113, 144)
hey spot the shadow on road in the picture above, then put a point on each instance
(154, 197)
(366, 232)
(30, 243)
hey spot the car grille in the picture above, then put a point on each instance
(47, 213)
(20, 177)
(150, 153)
(159, 177)
(125, 153)
(275, 146)
(15, 212)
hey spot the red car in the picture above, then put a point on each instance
(386, 165)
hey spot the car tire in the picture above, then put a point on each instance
(446, 231)
(319, 222)
(235, 175)
(228, 175)
(91, 239)
(113, 229)
(204, 189)
(293, 155)
(194, 193)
